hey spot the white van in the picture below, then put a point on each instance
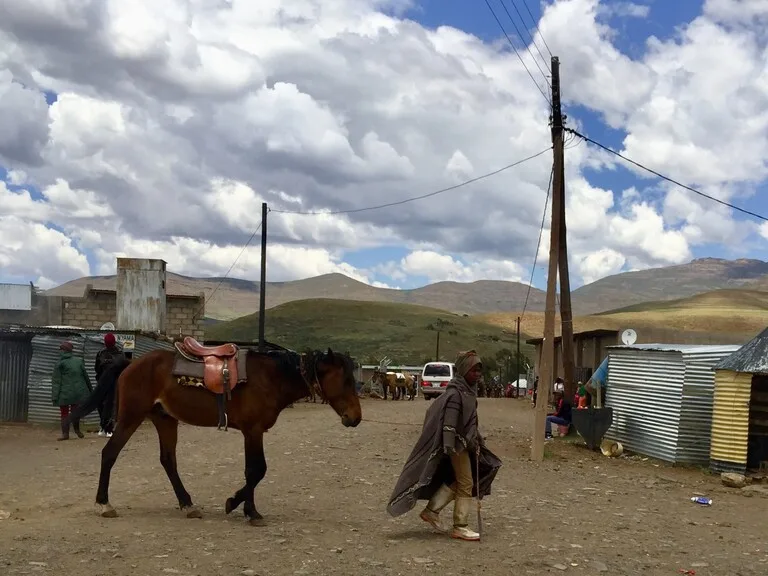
(435, 377)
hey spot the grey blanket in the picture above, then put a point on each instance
(427, 467)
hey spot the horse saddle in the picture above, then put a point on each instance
(220, 374)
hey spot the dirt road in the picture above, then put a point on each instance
(324, 501)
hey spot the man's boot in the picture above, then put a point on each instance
(439, 500)
(64, 430)
(461, 512)
(76, 428)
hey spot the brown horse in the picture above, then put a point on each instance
(148, 388)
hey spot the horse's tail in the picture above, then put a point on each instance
(106, 385)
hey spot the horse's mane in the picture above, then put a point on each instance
(289, 361)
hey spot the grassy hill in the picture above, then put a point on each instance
(724, 316)
(236, 297)
(369, 330)
(669, 283)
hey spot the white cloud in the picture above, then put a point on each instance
(437, 267)
(175, 120)
(193, 257)
(33, 251)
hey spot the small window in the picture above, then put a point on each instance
(437, 370)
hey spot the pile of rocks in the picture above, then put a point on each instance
(748, 485)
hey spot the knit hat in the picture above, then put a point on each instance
(109, 339)
(66, 346)
(465, 361)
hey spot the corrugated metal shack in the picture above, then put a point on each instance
(740, 415)
(15, 354)
(662, 396)
(25, 394)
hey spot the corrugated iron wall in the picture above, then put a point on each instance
(45, 354)
(15, 354)
(730, 421)
(645, 391)
(695, 426)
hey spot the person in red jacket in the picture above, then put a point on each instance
(561, 416)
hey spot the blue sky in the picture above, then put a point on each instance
(663, 20)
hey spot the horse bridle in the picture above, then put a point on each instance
(312, 381)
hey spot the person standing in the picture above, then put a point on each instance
(106, 357)
(70, 385)
(441, 467)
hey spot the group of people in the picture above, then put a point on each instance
(71, 385)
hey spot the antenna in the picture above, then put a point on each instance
(629, 337)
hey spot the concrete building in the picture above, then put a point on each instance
(144, 305)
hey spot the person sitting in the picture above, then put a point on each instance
(561, 416)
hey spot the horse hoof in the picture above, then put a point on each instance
(192, 512)
(106, 511)
(257, 520)
(230, 506)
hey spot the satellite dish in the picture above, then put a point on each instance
(107, 326)
(629, 337)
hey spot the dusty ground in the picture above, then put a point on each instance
(324, 502)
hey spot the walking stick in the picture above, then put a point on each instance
(477, 482)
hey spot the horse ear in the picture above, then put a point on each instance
(330, 354)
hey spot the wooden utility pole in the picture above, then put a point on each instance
(517, 378)
(547, 368)
(566, 315)
(263, 279)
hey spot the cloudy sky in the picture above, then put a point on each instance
(155, 128)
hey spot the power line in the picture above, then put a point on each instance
(414, 198)
(667, 178)
(535, 23)
(538, 244)
(522, 20)
(210, 297)
(487, 3)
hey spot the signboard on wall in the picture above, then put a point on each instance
(126, 341)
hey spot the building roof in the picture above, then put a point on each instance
(684, 348)
(598, 333)
(752, 358)
(177, 293)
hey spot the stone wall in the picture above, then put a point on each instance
(183, 313)
(89, 312)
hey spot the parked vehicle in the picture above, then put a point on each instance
(435, 377)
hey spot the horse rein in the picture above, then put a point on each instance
(313, 385)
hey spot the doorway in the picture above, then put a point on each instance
(757, 442)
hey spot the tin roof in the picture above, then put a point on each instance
(683, 348)
(752, 358)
